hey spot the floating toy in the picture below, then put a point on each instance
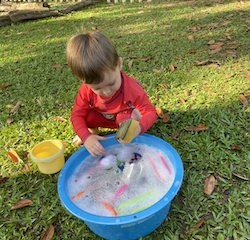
(165, 164)
(136, 199)
(141, 209)
(78, 195)
(109, 208)
(156, 170)
(121, 190)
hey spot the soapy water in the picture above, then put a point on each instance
(105, 186)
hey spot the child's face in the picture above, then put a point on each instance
(110, 84)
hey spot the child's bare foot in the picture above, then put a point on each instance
(77, 141)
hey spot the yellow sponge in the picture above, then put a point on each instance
(127, 130)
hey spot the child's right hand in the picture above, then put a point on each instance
(93, 145)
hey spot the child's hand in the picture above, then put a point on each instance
(93, 145)
(137, 132)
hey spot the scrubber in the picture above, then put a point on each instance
(127, 130)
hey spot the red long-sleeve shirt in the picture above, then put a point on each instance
(130, 93)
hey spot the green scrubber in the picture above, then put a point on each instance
(127, 130)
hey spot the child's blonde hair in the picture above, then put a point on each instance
(89, 55)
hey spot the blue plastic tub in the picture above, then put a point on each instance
(131, 226)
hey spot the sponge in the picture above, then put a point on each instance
(127, 130)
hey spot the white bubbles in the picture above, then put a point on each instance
(106, 187)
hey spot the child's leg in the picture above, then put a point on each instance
(95, 120)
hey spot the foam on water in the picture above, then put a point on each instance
(130, 187)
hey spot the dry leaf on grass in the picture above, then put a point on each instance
(211, 42)
(247, 94)
(27, 166)
(166, 118)
(14, 156)
(159, 112)
(163, 85)
(182, 101)
(4, 86)
(190, 37)
(61, 119)
(56, 65)
(156, 70)
(22, 203)
(196, 226)
(243, 100)
(209, 184)
(130, 64)
(243, 178)
(48, 36)
(196, 128)
(9, 121)
(14, 109)
(49, 233)
(171, 67)
(236, 147)
(175, 134)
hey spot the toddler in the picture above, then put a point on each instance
(107, 96)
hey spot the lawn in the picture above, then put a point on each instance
(191, 57)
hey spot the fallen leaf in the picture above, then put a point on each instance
(202, 63)
(190, 37)
(59, 45)
(213, 65)
(236, 147)
(196, 226)
(9, 120)
(28, 51)
(49, 233)
(166, 118)
(156, 70)
(56, 66)
(133, 57)
(196, 128)
(209, 185)
(4, 86)
(211, 42)
(14, 156)
(163, 85)
(21, 33)
(61, 28)
(182, 101)
(27, 166)
(192, 29)
(212, 93)
(171, 67)
(178, 58)
(175, 134)
(229, 75)
(243, 100)
(215, 50)
(243, 178)
(247, 94)
(22, 203)
(130, 64)
(186, 93)
(140, 12)
(159, 112)
(201, 125)
(144, 59)
(14, 109)
(192, 51)
(61, 119)
(48, 36)
(168, 26)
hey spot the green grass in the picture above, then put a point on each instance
(46, 92)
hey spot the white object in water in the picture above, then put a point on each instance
(126, 154)
(108, 162)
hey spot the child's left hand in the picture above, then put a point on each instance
(137, 132)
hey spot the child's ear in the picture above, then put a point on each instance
(120, 63)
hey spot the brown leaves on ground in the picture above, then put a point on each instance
(49, 233)
(130, 64)
(14, 156)
(196, 226)
(165, 117)
(16, 107)
(209, 185)
(57, 66)
(22, 203)
(243, 100)
(61, 119)
(236, 147)
(199, 128)
(4, 86)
